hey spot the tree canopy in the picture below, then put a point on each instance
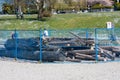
(44, 7)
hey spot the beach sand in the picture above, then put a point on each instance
(14, 70)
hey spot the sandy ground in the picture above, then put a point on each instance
(12, 70)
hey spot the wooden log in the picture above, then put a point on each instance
(74, 48)
(24, 43)
(63, 43)
(87, 57)
(80, 39)
(109, 48)
(50, 48)
(72, 42)
(68, 39)
(86, 51)
(59, 39)
(90, 42)
(84, 56)
(107, 53)
(47, 56)
(67, 42)
(116, 51)
(72, 60)
(51, 56)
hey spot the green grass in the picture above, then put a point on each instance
(61, 21)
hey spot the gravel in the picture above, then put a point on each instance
(14, 70)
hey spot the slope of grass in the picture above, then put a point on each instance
(61, 21)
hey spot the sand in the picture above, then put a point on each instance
(14, 70)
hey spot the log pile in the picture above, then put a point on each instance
(59, 49)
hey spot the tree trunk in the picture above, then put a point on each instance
(40, 10)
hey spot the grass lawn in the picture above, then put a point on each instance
(61, 21)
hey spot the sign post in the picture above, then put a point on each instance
(109, 25)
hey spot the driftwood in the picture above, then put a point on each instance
(73, 60)
(107, 53)
(90, 54)
(116, 51)
(80, 39)
(86, 57)
(29, 43)
(90, 42)
(86, 51)
(74, 48)
(29, 49)
(73, 42)
(63, 43)
(51, 56)
(58, 49)
(59, 39)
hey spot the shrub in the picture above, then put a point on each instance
(32, 11)
(47, 13)
(7, 9)
(117, 6)
(99, 6)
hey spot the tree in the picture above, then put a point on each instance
(52, 3)
(19, 6)
(71, 4)
(83, 4)
(7, 8)
(76, 4)
(116, 4)
(44, 7)
(40, 8)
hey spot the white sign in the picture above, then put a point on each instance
(109, 25)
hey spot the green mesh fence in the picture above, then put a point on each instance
(83, 33)
(28, 44)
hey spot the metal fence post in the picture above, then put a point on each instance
(49, 32)
(40, 45)
(16, 44)
(96, 45)
(87, 34)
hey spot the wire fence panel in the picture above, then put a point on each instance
(27, 44)
(83, 33)
(108, 37)
(4, 36)
(20, 44)
(108, 43)
(28, 33)
(60, 45)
